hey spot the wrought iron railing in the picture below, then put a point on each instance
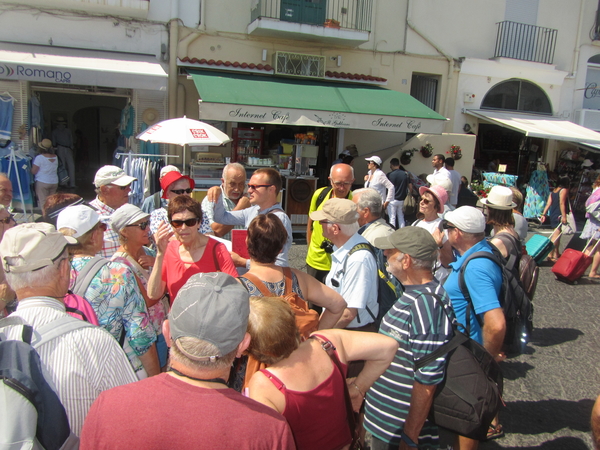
(525, 42)
(346, 14)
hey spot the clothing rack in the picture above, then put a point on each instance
(12, 164)
(146, 154)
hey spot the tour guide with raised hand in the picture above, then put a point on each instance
(206, 330)
(398, 403)
(82, 363)
(318, 261)
(263, 188)
(353, 276)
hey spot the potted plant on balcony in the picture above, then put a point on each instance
(427, 150)
(406, 156)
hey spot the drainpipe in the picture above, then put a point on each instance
(173, 71)
(202, 24)
(573, 73)
(449, 58)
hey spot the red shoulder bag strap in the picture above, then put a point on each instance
(259, 284)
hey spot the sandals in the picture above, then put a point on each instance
(495, 432)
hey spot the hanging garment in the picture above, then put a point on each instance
(127, 120)
(7, 109)
(19, 173)
(36, 115)
(147, 147)
(536, 195)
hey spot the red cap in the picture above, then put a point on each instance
(172, 177)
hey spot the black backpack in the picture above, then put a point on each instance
(387, 292)
(470, 396)
(517, 306)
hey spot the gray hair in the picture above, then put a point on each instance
(422, 264)
(35, 278)
(369, 198)
(348, 229)
(332, 167)
(234, 166)
(195, 346)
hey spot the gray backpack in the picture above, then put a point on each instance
(33, 416)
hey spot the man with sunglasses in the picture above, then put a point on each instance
(483, 277)
(233, 185)
(318, 259)
(172, 184)
(113, 186)
(263, 188)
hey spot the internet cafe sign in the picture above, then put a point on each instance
(303, 117)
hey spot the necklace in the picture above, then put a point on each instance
(212, 380)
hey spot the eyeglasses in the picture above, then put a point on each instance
(187, 222)
(120, 187)
(182, 191)
(256, 186)
(142, 225)
(341, 183)
(8, 219)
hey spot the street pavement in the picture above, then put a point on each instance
(549, 391)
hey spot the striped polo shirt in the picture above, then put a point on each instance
(419, 324)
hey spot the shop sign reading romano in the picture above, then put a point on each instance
(302, 117)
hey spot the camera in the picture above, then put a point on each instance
(327, 246)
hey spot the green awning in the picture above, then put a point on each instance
(261, 99)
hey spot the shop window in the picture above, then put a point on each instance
(425, 89)
(517, 95)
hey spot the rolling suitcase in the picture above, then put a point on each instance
(572, 264)
(539, 247)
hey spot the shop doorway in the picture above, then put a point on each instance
(93, 122)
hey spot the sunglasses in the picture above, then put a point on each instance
(182, 191)
(256, 186)
(188, 222)
(142, 225)
(425, 201)
(8, 219)
(447, 226)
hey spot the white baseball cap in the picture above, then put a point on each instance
(467, 219)
(80, 218)
(375, 159)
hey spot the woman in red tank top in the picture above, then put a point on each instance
(302, 382)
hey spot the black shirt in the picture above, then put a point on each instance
(400, 180)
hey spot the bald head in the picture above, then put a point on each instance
(6, 191)
(341, 177)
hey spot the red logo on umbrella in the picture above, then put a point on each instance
(199, 133)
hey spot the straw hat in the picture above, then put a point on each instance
(150, 116)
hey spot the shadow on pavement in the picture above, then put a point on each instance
(512, 370)
(546, 416)
(546, 337)
(561, 443)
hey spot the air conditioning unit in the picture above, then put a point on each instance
(589, 118)
(299, 65)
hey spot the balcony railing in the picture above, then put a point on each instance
(525, 42)
(343, 14)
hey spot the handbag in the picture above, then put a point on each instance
(63, 175)
(571, 226)
(350, 414)
(410, 204)
(469, 398)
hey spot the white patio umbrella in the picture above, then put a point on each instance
(182, 131)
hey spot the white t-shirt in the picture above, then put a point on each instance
(48, 169)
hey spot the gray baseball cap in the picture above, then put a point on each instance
(126, 215)
(212, 307)
(414, 241)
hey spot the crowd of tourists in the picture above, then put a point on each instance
(169, 340)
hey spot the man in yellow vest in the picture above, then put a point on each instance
(318, 259)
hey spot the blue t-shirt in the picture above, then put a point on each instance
(484, 281)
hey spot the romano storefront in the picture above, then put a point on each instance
(87, 91)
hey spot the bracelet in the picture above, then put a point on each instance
(358, 389)
(408, 440)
